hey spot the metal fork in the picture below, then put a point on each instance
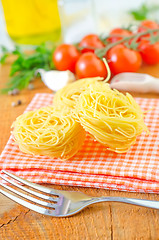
(59, 203)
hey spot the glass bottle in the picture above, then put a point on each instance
(32, 21)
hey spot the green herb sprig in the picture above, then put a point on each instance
(24, 67)
(143, 12)
(5, 53)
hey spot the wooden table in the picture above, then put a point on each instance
(100, 221)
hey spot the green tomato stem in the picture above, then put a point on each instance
(102, 52)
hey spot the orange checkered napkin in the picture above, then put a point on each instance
(94, 166)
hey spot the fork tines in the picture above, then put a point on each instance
(45, 200)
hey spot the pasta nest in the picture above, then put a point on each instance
(50, 132)
(112, 118)
(69, 94)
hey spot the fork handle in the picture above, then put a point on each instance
(133, 201)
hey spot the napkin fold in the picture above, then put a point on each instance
(94, 166)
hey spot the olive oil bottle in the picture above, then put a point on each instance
(32, 21)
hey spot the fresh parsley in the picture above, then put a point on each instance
(24, 67)
(143, 12)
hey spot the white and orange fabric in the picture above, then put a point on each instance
(94, 166)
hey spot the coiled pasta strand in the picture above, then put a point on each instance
(50, 132)
(112, 118)
(68, 95)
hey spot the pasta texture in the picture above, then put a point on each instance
(68, 95)
(112, 118)
(87, 105)
(48, 131)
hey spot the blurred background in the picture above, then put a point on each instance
(32, 22)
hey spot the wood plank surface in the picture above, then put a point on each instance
(101, 221)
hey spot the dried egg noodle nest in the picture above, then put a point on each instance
(112, 118)
(48, 132)
(69, 94)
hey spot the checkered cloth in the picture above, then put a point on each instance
(94, 166)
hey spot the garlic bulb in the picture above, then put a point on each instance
(56, 80)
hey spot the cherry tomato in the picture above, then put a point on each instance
(118, 31)
(65, 57)
(149, 52)
(122, 59)
(90, 43)
(89, 65)
(147, 24)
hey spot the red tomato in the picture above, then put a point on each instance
(149, 52)
(122, 59)
(65, 57)
(147, 24)
(90, 43)
(89, 65)
(118, 31)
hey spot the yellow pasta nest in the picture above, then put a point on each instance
(69, 94)
(112, 118)
(58, 131)
(48, 132)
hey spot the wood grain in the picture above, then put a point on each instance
(101, 221)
